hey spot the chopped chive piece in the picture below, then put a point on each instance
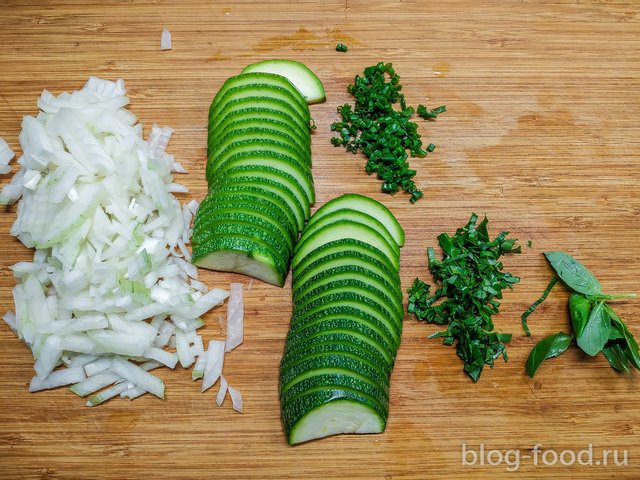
(535, 305)
(529, 243)
(425, 113)
(431, 147)
(341, 47)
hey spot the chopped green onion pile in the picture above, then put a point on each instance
(385, 135)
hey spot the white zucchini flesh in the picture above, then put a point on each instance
(239, 262)
(341, 416)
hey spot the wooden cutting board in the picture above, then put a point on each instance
(541, 135)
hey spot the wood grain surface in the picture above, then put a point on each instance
(541, 135)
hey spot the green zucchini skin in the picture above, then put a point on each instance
(331, 379)
(343, 354)
(345, 314)
(387, 284)
(344, 247)
(359, 338)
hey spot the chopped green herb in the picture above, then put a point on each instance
(341, 47)
(385, 135)
(535, 305)
(431, 147)
(529, 243)
(469, 282)
(596, 327)
(425, 113)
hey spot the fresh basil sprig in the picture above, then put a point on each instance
(596, 327)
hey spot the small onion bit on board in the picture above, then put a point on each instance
(165, 40)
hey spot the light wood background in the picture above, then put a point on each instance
(541, 135)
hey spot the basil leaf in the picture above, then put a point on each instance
(616, 357)
(632, 350)
(595, 334)
(573, 273)
(615, 333)
(579, 308)
(548, 347)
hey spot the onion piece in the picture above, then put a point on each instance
(214, 364)
(95, 383)
(99, 365)
(48, 357)
(119, 388)
(198, 368)
(132, 392)
(168, 359)
(235, 317)
(205, 303)
(222, 391)
(106, 394)
(184, 352)
(58, 378)
(165, 40)
(81, 360)
(236, 399)
(10, 319)
(138, 376)
(6, 155)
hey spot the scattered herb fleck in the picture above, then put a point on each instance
(385, 135)
(529, 243)
(341, 47)
(469, 282)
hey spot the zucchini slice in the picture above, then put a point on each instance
(299, 74)
(254, 79)
(330, 412)
(345, 229)
(365, 205)
(240, 254)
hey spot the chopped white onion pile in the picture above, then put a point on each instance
(111, 288)
(165, 40)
